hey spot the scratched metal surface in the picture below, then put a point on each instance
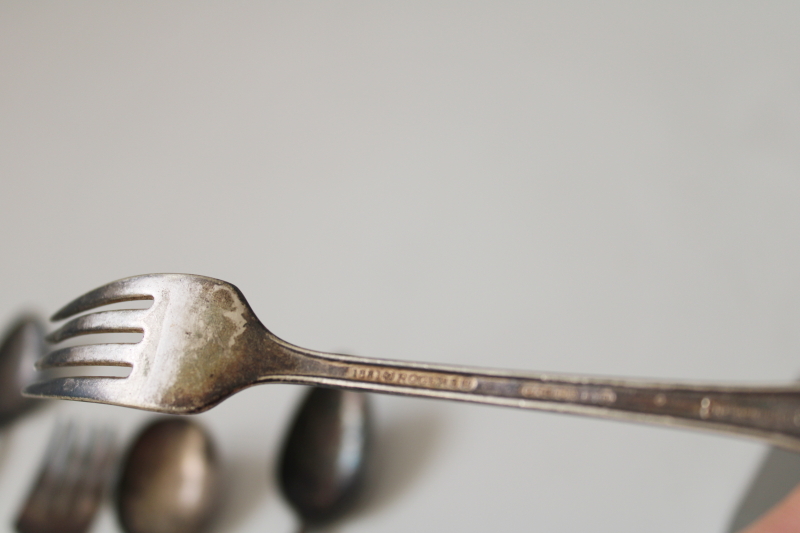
(557, 187)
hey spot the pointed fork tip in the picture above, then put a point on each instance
(93, 300)
(124, 290)
(87, 389)
(44, 389)
(141, 287)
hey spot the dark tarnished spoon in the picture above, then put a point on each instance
(169, 480)
(322, 465)
(22, 345)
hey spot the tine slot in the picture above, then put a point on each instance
(124, 290)
(92, 354)
(124, 321)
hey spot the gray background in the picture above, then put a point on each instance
(553, 186)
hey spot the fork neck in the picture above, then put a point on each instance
(768, 413)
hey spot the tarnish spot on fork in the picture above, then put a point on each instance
(221, 323)
(223, 298)
(218, 353)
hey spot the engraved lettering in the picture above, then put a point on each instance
(568, 393)
(732, 411)
(428, 380)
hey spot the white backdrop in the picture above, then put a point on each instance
(555, 186)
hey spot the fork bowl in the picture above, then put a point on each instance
(199, 341)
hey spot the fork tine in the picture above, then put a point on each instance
(91, 354)
(128, 289)
(123, 321)
(86, 389)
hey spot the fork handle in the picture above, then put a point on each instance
(767, 413)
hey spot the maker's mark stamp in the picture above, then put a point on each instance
(568, 393)
(424, 380)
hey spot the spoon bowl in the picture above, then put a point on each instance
(324, 458)
(169, 480)
(21, 346)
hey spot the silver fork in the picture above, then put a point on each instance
(202, 343)
(71, 483)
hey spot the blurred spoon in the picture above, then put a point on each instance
(22, 345)
(322, 465)
(169, 480)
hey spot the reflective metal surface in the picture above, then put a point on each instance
(324, 457)
(22, 345)
(202, 343)
(169, 480)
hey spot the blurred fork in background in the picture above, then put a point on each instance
(71, 483)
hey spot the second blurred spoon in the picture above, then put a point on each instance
(322, 466)
(22, 345)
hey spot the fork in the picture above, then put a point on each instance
(71, 483)
(202, 343)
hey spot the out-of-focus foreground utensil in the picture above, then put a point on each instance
(322, 464)
(72, 482)
(202, 343)
(169, 481)
(777, 476)
(21, 347)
